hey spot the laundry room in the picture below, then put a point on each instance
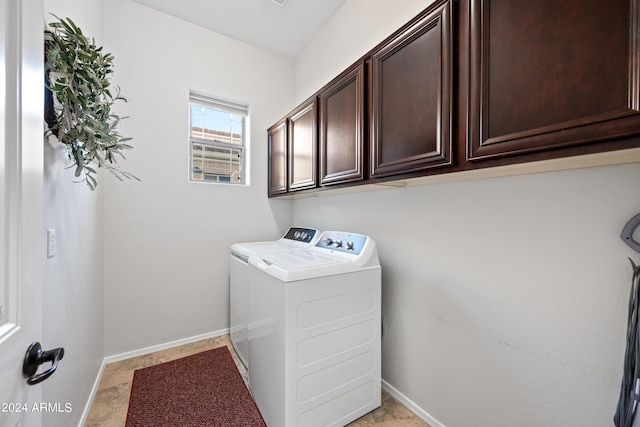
(504, 290)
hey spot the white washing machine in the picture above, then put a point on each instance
(314, 332)
(295, 237)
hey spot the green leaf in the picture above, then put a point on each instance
(78, 75)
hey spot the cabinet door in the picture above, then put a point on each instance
(303, 147)
(277, 140)
(412, 96)
(342, 129)
(550, 73)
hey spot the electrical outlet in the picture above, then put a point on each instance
(51, 243)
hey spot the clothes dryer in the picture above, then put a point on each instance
(315, 332)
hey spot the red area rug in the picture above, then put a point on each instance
(205, 389)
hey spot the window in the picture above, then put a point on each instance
(217, 140)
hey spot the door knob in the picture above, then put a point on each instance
(34, 357)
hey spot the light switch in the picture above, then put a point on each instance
(51, 243)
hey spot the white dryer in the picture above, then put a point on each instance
(295, 237)
(314, 332)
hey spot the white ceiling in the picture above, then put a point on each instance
(284, 30)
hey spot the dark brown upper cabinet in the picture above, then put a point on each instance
(303, 147)
(277, 143)
(412, 87)
(547, 74)
(342, 128)
(468, 85)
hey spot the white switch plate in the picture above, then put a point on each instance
(51, 243)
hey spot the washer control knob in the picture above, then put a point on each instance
(338, 243)
(349, 245)
(328, 241)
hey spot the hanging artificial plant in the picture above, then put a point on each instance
(78, 101)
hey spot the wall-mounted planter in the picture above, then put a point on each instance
(78, 101)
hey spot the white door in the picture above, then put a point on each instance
(21, 212)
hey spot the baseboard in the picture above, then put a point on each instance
(92, 395)
(165, 346)
(140, 352)
(426, 417)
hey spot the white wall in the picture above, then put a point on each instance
(166, 240)
(504, 299)
(73, 289)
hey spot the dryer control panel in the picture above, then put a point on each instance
(300, 234)
(344, 242)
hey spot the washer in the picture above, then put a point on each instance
(314, 332)
(295, 237)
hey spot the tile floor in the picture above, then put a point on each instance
(109, 408)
